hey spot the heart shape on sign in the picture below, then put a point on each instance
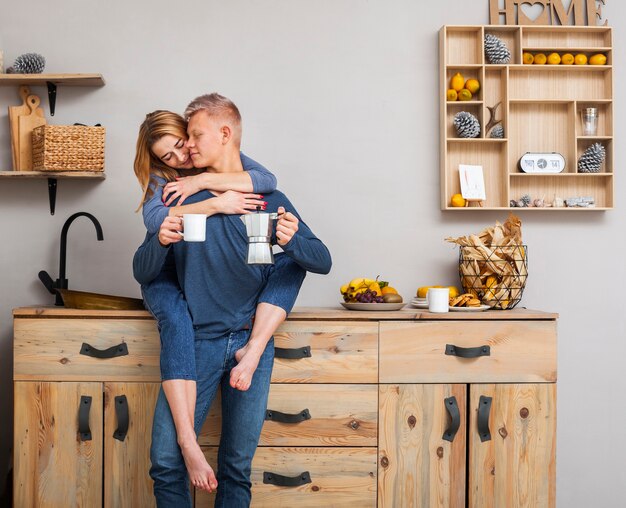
(528, 13)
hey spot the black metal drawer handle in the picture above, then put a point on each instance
(277, 416)
(84, 431)
(455, 416)
(293, 354)
(286, 481)
(123, 418)
(484, 408)
(467, 352)
(119, 350)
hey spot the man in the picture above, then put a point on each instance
(235, 309)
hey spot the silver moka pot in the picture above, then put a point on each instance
(259, 230)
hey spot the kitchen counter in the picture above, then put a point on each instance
(305, 313)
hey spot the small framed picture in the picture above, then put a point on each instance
(472, 182)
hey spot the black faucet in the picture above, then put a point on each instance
(61, 282)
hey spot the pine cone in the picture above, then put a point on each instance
(497, 131)
(466, 125)
(28, 63)
(496, 51)
(592, 158)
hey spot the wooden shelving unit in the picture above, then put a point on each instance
(51, 81)
(540, 112)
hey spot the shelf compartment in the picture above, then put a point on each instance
(494, 91)
(583, 143)
(464, 45)
(588, 52)
(528, 82)
(605, 117)
(541, 127)
(565, 186)
(491, 156)
(566, 36)
(467, 73)
(511, 37)
(474, 108)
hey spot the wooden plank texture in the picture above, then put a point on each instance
(340, 352)
(340, 477)
(521, 351)
(301, 313)
(49, 349)
(517, 467)
(126, 463)
(52, 467)
(417, 467)
(341, 415)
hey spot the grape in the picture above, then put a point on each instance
(379, 299)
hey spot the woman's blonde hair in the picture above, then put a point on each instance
(156, 125)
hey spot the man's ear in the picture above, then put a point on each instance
(226, 133)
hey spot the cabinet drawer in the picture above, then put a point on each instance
(340, 415)
(50, 349)
(339, 477)
(334, 352)
(519, 351)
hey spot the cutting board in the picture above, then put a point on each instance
(25, 125)
(14, 113)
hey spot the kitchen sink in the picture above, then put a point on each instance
(96, 301)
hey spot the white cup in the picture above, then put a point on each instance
(194, 227)
(438, 299)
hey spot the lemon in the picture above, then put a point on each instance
(472, 85)
(528, 58)
(454, 291)
(580, 59)
(457, 82)
(567, 59)
(457, 200)
(465, 95)
(451, 94)
(540, 59)
(554, 59)
(598, 59)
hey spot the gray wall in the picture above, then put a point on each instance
(340, 100)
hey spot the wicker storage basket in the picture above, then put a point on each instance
(496, 275)
(68, 148)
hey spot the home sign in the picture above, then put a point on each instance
(553, 12)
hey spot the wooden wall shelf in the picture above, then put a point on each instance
(20, 175)
(540, 112)
(42, 79)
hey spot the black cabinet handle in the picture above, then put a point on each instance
(119, 350)
(455, 416)
(467, 352)
(293, 354)
(484, 408)
(286, 481)
(277, 416)
(123, 418)
(83, 418)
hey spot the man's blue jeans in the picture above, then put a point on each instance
(243, 414)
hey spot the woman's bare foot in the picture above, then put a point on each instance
(200, 473)
(247, 361)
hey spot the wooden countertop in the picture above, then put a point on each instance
(303, 313)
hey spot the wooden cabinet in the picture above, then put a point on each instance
(365, 409)
(103, 372)
(540, 107)
(495, 425)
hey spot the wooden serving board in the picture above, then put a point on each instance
(26, 124)
(14, 113)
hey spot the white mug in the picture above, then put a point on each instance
(438, 299)
(194, 227)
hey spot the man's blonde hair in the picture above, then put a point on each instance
(217, 106)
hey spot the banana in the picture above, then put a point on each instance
(356, 283)
(344, 289)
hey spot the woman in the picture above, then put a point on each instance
(161, 162)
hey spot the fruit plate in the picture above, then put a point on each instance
(469, 309)
(373, 306)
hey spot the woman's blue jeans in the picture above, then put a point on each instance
(243, 414)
